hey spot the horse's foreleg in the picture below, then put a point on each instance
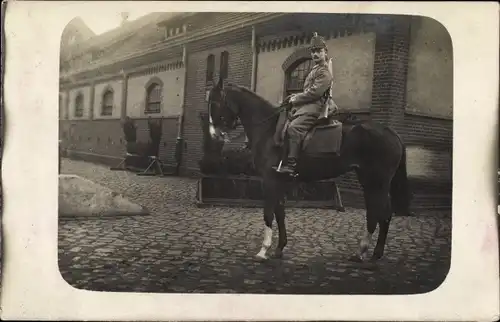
(280, 219)
(268, 229)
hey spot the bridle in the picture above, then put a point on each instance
(223, 105)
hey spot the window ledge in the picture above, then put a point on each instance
(427, 115)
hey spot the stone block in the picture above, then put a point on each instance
(79, 197)
(246, 191)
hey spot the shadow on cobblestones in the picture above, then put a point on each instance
(181, 248)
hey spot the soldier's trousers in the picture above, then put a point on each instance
(297, 131)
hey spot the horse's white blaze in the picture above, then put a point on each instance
(266, 243)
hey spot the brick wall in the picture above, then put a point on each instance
(429, 105)
(431, 47)
(173, 82)
(428, 139)
(435, 136)
(240, 65)
(104, 137)
(390, 69)
(352, 68)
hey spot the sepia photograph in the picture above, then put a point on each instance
(229, 152)
(250, 161)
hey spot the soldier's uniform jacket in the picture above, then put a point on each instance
(312, 99)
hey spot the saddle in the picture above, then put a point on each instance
(325, 137)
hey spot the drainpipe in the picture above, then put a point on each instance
(123, 112)
(253, 79)
(179, 144)
(254, 60)
(92, 101)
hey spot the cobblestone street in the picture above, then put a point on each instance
(182, 248)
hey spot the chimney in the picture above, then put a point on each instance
(125, 16)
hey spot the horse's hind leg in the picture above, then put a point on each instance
(378, 252)
(384, 223)
(376, 207)
(371, 225)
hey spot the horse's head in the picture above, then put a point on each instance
(222, 112)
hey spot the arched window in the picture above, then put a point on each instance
(79, 105)
(210, 69)
(153, 98)
(224, 64)
(107, 102)
(296, 76)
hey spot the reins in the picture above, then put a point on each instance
(277, 111)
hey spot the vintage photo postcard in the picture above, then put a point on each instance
(250, 161)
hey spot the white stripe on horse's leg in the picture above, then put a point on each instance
(266, 243)
(212, 131)
(364, 244)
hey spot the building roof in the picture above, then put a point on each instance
(145, 35)
(124, 31)
(78, 24)
(78, 30)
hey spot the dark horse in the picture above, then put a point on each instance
(375, 152)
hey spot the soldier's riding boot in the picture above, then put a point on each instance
(293, 152)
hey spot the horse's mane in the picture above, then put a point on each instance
(251, 93)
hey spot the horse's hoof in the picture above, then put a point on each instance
(376, 257)
(259, 257)
(278, 254)
(356, 259)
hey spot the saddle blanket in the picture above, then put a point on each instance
(323, 139)
(320, 139)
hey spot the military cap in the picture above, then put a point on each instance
(317, 42)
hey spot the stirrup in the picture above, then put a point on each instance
(278, 170)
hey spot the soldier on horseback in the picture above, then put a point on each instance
(308, 106)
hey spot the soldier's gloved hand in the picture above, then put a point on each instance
(286, 100)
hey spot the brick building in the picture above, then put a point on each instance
(394, 69)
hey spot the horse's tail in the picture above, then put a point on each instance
(400, 188)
